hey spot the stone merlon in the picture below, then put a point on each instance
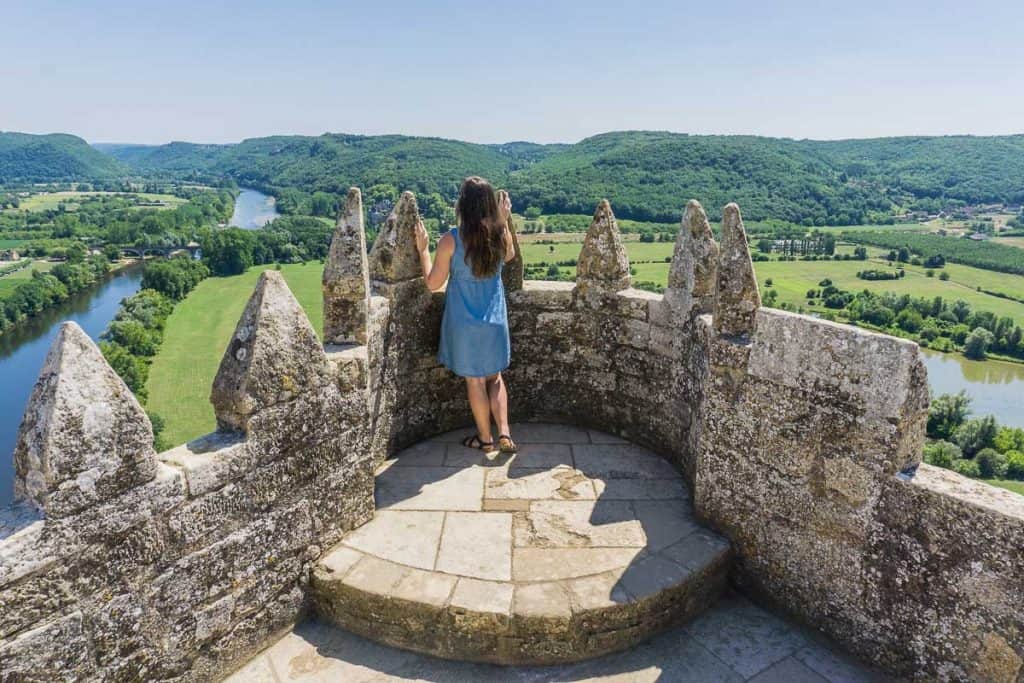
(692, 275)
(84, 437)
(346, 283)
(737, 298)
(603, 262)
(273, 355)
(393, 258)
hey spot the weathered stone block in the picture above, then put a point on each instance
(393, 257)
(736, 296)
(84, 437)
(58, 650)
(602, 262)
(274, 356)
(346, 280)
(692, 278)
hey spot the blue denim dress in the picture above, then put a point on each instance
(474, 330)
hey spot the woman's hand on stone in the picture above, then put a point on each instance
(422, 238)
(504, 204)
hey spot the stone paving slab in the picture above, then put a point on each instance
(774, 649)
(540, 557)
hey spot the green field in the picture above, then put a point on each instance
(46, 201)
(1011, 241)
(567, 251)
(1008, 484)
(11, 244)
(792, 279)
(197, 333)
(11, 280)
(26, 273)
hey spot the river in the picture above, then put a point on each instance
(253, 210)
(996, 388)
(23, 350)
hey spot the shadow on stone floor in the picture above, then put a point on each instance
(735, 641)
(632, 488)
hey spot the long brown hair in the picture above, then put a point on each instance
(482, 229)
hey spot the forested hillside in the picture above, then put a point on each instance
(44, 158)
(646, 175)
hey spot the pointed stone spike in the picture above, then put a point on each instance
(603, 261)
(346, 280)
(84, 437)
(393, 257)
(691, 278)
(273, 356)
(737, 298)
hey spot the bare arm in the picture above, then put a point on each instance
(510, 245)
(505, 211)
(437, 274)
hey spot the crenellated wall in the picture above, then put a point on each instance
(119, 564)
(800, 438)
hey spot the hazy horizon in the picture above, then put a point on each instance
(557, 72)
(512, 141)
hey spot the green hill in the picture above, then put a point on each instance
(45, 158)
(647, 175)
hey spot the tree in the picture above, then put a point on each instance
(133, 370)
(967, 468)
(909, 320)
(1014, 464)
(991, 463)
(903, 255)
(1010, 439)
(975, 435)
(765, 245)
(323, 204)
(860, 253)
(946, 413)
(942, 454)
(977, 343)
(943, 276)
(229, 252)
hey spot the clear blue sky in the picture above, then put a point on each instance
(488, 72)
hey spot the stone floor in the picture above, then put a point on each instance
(578, 545)
(571, 503)
(578, 530)
(734, 641)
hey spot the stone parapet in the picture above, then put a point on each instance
(800, 438)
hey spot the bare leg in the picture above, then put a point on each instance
(498, 396)
(476, 389)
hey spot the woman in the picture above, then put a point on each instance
(474, 331)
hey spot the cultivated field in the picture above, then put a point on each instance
(11, 280)
(197, 333)
(792, 279)
(46, 201)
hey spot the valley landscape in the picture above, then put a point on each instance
(573, 341)
(932, 220)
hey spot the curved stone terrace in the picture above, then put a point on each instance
(580, 544)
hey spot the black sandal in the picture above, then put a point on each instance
(476, 442)
(511, 446)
